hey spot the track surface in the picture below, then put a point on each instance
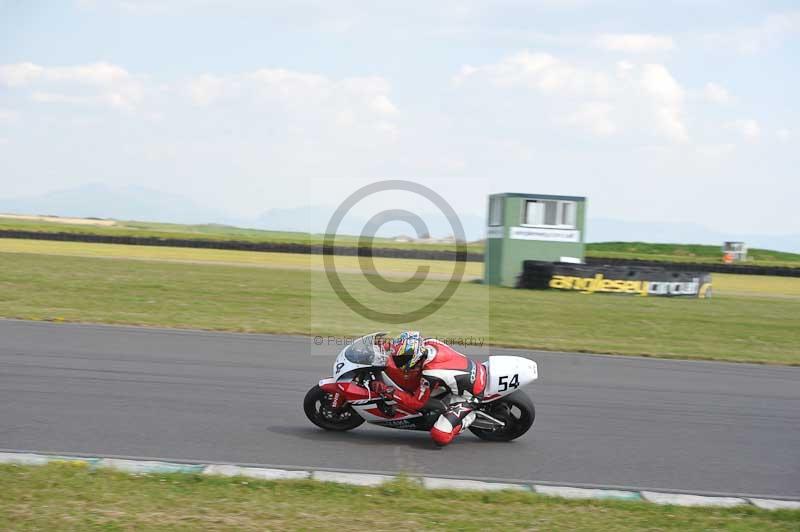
(660, 424)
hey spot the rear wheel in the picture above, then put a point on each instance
(317, 406)
(515, 410)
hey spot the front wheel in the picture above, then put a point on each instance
(317, 406)
(515, 410)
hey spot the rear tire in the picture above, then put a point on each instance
(317, 406)
(516, 409)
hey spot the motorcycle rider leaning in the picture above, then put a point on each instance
(423, 370)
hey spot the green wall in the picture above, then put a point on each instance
(504, 256)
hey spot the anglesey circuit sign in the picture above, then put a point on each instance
(629, 279)
(696, 286)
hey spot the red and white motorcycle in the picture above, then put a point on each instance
(344, 401)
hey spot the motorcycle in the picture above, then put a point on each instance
(344, 401)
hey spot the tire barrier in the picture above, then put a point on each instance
(239, 245)
(619, 279)
(740, 269)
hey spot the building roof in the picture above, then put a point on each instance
(539, 196)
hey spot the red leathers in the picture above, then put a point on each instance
(444, 370)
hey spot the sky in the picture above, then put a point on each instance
(681, 111)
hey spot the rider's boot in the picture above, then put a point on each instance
(452, 423)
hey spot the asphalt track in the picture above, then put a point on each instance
(216, 397)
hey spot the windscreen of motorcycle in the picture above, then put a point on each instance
(367, 351)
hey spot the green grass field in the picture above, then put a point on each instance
(619, 250)
(66, 497)
(758, 326)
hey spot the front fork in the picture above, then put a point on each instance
(360, 387)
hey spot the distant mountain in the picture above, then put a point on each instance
(140, 203)
(123, 203)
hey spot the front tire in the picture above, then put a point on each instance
(516, 410)
(317, 406)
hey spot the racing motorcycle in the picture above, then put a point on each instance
(344, 401)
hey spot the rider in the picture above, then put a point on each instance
(424, 370)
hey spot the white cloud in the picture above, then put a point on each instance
(625, 98)
(784, 135)
(634, 43)
(8, 115)
(658, 82)
(55, 97)
(624, 66)
(770, 32)
(669, 121)
(747, 128)
(716, 151)
(206, 89)
(356, 102)
(300, 107)
(382, 104)
(100, 82)
(667, 97)
(540, 71)
(594, 117)
(715, 93)
(19, 74)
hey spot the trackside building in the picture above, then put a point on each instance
(537, 227)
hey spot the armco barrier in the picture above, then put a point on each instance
(285, 247)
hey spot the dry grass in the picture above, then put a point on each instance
(227, 257)
(724, 284)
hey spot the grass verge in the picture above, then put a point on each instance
(215, 297)
(68, 497)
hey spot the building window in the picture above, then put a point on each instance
(496, 211)
(550, 213)
(567, 217)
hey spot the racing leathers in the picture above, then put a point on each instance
(444, 373)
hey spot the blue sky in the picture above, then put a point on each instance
(658, 112)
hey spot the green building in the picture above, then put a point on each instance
(531, 227)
